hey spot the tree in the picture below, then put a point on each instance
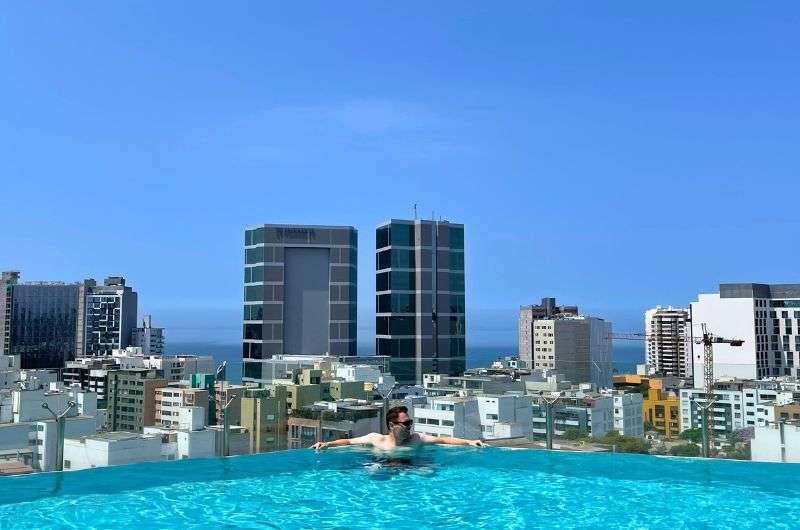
(685, 450)
(626, 444)
(693, 435)
(648, 426)
(575, 434)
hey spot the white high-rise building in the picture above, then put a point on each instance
(148, 338)
(577, 346)
(765, 317)
(669, 348)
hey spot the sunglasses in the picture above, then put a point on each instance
(407, 423)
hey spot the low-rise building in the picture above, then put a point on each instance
(628, 418)
(776, 442)
(446, 416)
(169, 399)
(264, 415)
(505, 416)
(90, 373)
(737, 404)
(327, 421)
(590, 413)
(470, 384)
(131, 399)
(110, 449)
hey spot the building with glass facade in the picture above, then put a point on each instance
(299, 293)
(419, 305)
(109, 318)
(40, 321)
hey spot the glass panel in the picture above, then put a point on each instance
(382, 281)
(402, 235)
(383, 260)
(254, 293)
(403, 258)
(457, 238)
(403, 281)
(254, 255)
(382, 237)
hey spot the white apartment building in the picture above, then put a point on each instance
(485, 416)
(738, 404)
(669, 346)
(30, 430)
(628, 414)
(111, 449)
(505, 416)
(170, 402)
(776, 443)
(447, 416)
(589, 412)
(383, 383)
(579, 347)
(174, 368)
(9, 371)
(765, 317)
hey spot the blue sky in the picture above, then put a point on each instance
(614, 156)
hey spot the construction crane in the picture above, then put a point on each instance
(707, 340)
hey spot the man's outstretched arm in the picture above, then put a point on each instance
(361, 440)
(449, 440)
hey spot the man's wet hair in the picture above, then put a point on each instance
(393, 413)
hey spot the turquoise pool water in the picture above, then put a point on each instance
(449, 488)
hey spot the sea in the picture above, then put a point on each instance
(626, 355)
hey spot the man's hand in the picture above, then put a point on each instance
(476, 443)
(319, 446)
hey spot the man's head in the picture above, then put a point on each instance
(399, 424)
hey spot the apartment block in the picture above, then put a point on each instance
(579, 347)
(765, 316)
(131, 399)
(669, 344)
(264, 415)
(148, 338)
(528, 315)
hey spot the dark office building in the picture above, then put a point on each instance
(299, 292)
(39, 320)
(419, 283)
(110, 318)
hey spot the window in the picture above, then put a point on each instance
(67, 464)
(254, 255)
(448, 423)
(402, 235)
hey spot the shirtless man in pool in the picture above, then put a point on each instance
(399, 437)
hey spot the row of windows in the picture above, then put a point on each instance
(406, 281)
(408, 347)
(406, 259)
(398, 234)
(406, 325)
(315, 236)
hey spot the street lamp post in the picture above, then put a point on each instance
(548, 402)
(60, 428)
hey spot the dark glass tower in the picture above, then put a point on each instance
(419, 283)
(39, 321)
(299, 293)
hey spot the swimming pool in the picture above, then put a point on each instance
(449, 488)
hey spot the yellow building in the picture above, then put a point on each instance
(660, 408)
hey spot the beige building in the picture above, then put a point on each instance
(579, 347)
(264, 415)
(169, 398)
(528, 315)
(131, 399)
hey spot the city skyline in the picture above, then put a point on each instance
(567, 165)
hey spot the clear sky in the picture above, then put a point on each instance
(614, 155)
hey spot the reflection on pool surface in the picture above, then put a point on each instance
(448, 488)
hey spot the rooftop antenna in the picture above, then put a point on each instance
(415, 211)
